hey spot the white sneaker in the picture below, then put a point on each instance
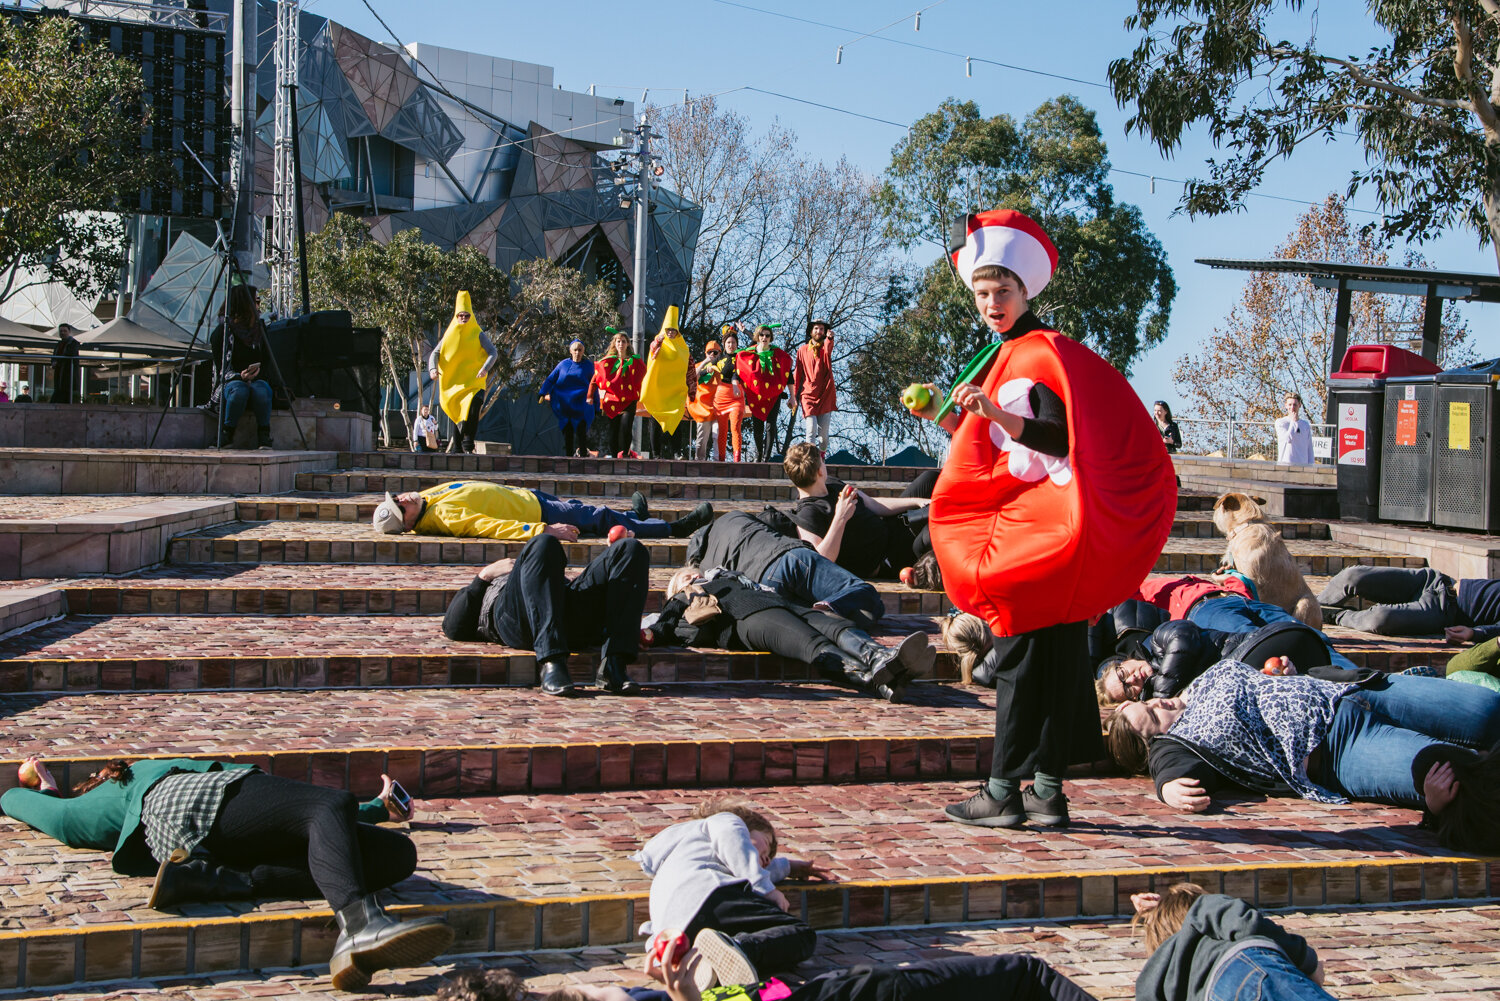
(723, 962)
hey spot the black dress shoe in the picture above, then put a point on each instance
(555, 679)
(613, 679)
(639, 507)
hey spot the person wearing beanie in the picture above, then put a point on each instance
(460, 365)
(483, 509)
(812, 382)
(1054, 503)
(530, 603)
(567, 389)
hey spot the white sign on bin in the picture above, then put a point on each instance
(1351, 434)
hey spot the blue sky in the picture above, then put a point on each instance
(708, 46)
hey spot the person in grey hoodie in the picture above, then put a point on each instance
(1210, 947)
(714, 877)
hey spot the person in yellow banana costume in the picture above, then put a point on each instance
(460, 365)
(664, 390)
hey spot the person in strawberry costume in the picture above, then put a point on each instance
(1054, 503)
(615, 388)
(764, 371)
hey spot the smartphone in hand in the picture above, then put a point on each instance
(401, 797)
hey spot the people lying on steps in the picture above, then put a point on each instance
(530, 603)
(215, 831)
(1212, 947)
(714, 877)
(747, 544)
(728, 611)
(1414, 742)
(480, 509)
(1007, 977)
(873, 538)
(1176, 652)
(1414, 602)
(1225, 603)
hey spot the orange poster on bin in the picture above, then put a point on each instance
(1406, 422)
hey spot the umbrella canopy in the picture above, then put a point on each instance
(126, 335)
(14, 334)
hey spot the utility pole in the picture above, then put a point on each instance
(646, 173)
(242, 122)
(282, 244)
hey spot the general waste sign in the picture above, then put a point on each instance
(1406, 422)
(1351, 434)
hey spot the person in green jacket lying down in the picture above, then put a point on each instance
(215, 831)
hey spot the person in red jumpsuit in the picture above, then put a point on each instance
(1055, 501)
(812, 382)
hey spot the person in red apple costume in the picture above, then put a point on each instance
(1054, 503)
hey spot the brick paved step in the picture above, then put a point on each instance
(517, 872)
(84, 653)
(1447, 952)
(309, 506)
(358, 542)
(161, 652)
(339, 589)
(467, 742)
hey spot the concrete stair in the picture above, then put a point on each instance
(291, 635)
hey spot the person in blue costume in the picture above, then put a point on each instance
(567, 389)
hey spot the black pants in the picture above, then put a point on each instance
(922, 486)
(540, 609)
(466, 429)
(1011, 977)
(772, 939)
(619, 431)
(764, 434)
(575, 437)
(292, 838)
(1044, 697)
(799, 635)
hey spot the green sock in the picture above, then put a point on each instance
(1046, 786)
(1001, 788)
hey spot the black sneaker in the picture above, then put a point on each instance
(1049, 812)
(639, 507)
(984, 810)
(693, 520)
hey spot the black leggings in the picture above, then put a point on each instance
(771, 939)
(292, 837)
(764, 434)
(619, 431)
(575, 438)
(921, 487)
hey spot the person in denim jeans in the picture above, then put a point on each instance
(1211, 947)
(1231, 613)
(240, 362)
(1396, 739)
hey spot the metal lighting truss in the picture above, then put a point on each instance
(281, 248)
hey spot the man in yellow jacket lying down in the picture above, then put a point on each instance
(482, 509)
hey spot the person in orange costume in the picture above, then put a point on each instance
(1054, 503)
(720, 398)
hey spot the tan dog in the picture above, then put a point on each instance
(1257, 551)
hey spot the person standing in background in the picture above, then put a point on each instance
(812, 382)
(1171, 435)
(1293, 433)
(64, 365)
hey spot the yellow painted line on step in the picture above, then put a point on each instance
(444, 748)
(323, 914)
